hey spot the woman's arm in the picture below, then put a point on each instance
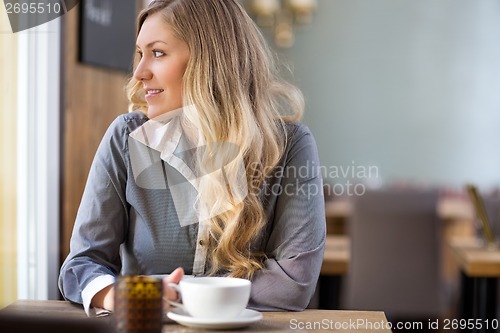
(297, 234)
(101, 222)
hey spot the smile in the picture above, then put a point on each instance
(153, 91)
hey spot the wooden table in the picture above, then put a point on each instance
(337, 255)
(335, 266)
(480, 270)
(456, 213)
(448, 208)
(476, 259)
(324, 320)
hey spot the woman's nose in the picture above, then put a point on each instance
(142, 72)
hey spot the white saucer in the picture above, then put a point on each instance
(246, 317)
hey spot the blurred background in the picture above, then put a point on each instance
(410, 87)
(397, 92)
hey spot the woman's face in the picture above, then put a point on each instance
(163, 62)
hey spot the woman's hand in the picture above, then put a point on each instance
(104, 298)
(169, 293)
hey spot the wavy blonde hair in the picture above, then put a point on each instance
(233, 81)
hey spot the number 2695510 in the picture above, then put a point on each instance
(33, 8)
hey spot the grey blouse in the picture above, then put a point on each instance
(124, 228)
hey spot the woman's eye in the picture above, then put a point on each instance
(158, 54)
(139, 53)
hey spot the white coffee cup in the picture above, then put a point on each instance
(213, 297)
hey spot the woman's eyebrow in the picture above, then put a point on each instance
(152, 43)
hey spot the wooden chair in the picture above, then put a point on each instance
(396, 254)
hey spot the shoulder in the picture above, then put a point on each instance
(300, 147)
(128, 122)
(295, 128)
(116, 136)
(298, 136)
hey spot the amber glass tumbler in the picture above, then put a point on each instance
(138, 304)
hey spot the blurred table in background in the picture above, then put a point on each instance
(337, 255)
(480, 271)
(335, 266)
(455, 209)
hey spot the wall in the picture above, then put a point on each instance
(408, 87)
(8, 133)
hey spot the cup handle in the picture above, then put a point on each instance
(175, 303)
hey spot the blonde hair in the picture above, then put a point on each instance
(232, 80)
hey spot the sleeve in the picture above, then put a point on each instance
(102, 218)
(297, 239)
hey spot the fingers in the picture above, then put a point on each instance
(176, 275)
(168, 292)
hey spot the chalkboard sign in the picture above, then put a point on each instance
(107, 33)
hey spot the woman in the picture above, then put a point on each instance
(209, 174)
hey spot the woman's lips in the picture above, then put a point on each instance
(150, 93)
